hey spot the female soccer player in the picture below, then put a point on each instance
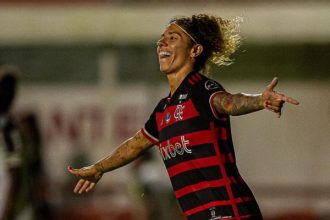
(191, 125)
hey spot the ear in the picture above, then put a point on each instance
(196, 50)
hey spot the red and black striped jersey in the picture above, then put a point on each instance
(196, 146)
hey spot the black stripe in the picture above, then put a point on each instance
(195, 176)
(231, 169)
(226, 146)
(204, 196)
(198, 151)
(248, 208)
(207, 214)
(241, 190)
(183, 127)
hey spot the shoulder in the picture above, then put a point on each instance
(160, 105)
(201, 83)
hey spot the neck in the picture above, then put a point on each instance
(175, 79)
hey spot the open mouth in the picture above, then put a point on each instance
(164, 54)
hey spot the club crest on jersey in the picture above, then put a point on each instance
(178, 112)
(170, 151)
(211, 85)
(167, 117)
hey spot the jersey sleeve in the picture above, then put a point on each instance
(150, 129)
(206, 90)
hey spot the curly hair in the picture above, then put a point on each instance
(219, 38)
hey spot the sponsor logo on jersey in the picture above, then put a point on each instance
(211, 85)
(183, 96)
(178, 112)
(172, 150)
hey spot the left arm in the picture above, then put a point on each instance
(237, 104)
(240, 104)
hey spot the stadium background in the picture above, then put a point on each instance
(90, 74)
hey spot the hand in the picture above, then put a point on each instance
(89, 176)
(274, 101)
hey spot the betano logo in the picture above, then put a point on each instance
(172, 150)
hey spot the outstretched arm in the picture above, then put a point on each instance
(240, 104)
(124, 154)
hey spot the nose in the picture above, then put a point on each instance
(161, 42)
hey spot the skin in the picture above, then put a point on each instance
(182, 56)
(240, 104)
(126, 152)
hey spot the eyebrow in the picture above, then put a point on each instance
(174, 32)
(171, 32)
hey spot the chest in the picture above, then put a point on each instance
(176, 112)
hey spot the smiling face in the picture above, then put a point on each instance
(174, 50)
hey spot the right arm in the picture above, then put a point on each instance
(126, 152)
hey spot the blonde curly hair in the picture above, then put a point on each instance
(219, 37)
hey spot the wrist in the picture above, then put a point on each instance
(99, 168)
(261, 101)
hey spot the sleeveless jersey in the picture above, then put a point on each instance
(197, 149)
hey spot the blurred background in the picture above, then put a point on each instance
(90, 78)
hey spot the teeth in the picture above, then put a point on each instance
(164, 53)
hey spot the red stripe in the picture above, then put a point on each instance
(222, 133)
(198, 163)
(224, 119)
(214, 110)
(191, 82)
(227, 158)
(149, 137)
(216, 203)
(205, 184)
(191, 165)
(200, 186)
(194, 138)
(198, 76)
(224, 175)
(236, 180)
(195, 78)
(188, 111)
(199, 138)
(231, 158)
(247, 216)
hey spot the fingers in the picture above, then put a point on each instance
(87, 181)
(274, 109)
(79, 185)
(289, 100)
(272, 84)
(91, 186)
(84, 186)
(271, 87)
(73, 171)
(275, 103)
(275, 106)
